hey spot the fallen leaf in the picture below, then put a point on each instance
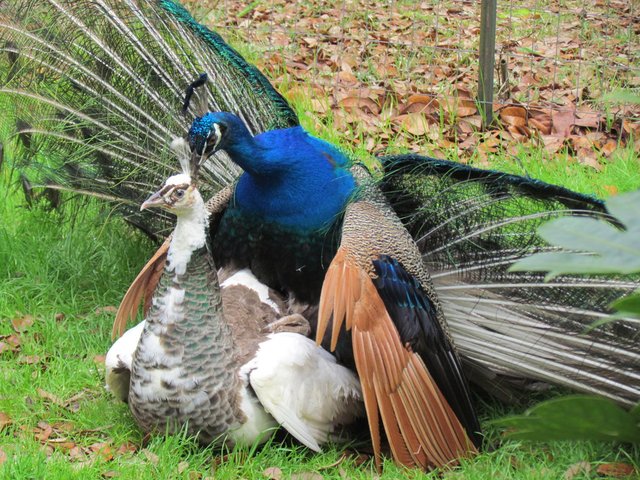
(563, 122)
(414, 123)
(50, 397)
(611, 189)
(4, 420)
(182, 467)
(616, 470)
(42, 432)
(609, 147)
(152, 457)
(110, 474)
(514, 116)
(272, 473)
(126, 447)
(552, 143)
(3, 456)
(110, 309)
(361, 103)
(102, 450)
(58, 317)
(577, 469)
(21, 324)
(28, 359)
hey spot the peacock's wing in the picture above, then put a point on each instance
(95, 90)
(471, 225)
(410, 374)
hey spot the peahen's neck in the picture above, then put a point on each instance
(184, 370)
(189, 236)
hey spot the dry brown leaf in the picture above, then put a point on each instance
(21, 324)
(586, 156)
(182, 466)
(99, 359)
(58, 317)
(611, 189)
(3, 456)
(42, 432)
(126, 447)
(102, 450)
(587, 119)
(4, 420)
(50, 397)
(152, 457)
(414, 123)
(461, 107)
(76, 454)
(28, 359)
(272, 473)
(514, 116)
(552, 143)
(609, 147)
(320, 105)
(10, 343)
(563, 122)
(109, 309)
(541, 121)
(616, 470)
(110, 474)
(359, 103)
(577, 469)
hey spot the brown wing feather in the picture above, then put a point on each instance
(421, 427)
(142, 287)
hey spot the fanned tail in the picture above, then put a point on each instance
(95, 90)
(471, 226)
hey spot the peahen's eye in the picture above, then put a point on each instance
(179, 193)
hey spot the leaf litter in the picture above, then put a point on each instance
(405, 74)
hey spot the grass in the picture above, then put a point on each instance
(63, 270)
(79, 264)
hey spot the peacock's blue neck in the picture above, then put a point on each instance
(291, 179)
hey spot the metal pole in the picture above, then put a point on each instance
(487, 56)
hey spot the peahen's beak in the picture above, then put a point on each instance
(155, 200)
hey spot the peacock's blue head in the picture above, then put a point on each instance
(213, 131)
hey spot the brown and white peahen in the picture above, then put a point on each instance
(228, 367)
(93, 89)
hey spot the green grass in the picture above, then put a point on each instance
(78, 262)
(75, 265)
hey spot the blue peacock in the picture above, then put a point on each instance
(408, 274)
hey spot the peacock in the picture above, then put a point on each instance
(227, 370)
(94, 89)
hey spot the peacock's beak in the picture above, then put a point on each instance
(155, 200)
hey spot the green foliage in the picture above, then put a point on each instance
(576, 417)
(610, 249)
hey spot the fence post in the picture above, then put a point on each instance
(487, 60)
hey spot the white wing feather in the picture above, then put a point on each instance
(303, 388)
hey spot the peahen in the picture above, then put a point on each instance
(226, 369)
(93, 89)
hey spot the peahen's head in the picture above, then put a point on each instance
(214, 131)
(177, 195)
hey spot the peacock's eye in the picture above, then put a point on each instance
(179, 193)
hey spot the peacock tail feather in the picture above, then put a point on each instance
(96, 89)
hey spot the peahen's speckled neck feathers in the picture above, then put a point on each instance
(185, 369)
